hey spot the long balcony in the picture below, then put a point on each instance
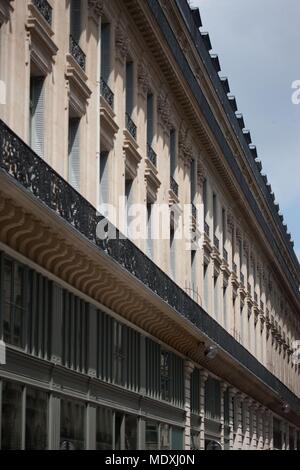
(130, 126)
(45, 9)
(77, 53)
(25, 173)
(106, 93)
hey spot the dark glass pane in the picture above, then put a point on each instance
(17, 333)
(11, 416)
(118, 426)
(8, 267)
(36, 420)
(151, 438)
(130, 433)
(72, 425)
(7, 323)
(19, 287)
(104, 430)
(177, 439)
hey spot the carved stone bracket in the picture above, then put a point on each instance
(95, 8)
(185, 145)
(164, 110)
(143, 77)
(122, 41)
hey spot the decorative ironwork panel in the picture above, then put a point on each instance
(77, 53)
(130, 126)
(174, 186)
(151, 155)
(45, 9)
(106, 93)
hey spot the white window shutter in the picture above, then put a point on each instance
(74, 153)
(37, 115)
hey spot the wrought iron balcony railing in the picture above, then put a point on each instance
(45, 9)
(216, 242)
(130, 126)
(194, 211)
(19, 163)
(151, 155)
(206, 228)
(225, 255)
(106, 92)
(174, 186)
(77, 53)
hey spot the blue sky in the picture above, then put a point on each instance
(258, 43)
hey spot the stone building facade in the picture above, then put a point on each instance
(185, 342)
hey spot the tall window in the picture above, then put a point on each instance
(11, 437)
(119, 356)
(150, 118)
(149, 230)
(172, 253)
(104, 177)
(194, 274)
(37, 112)
(105, 51)
(193, 181)
(104, 429)
(215, 214)
(36, 420)
(224, 227)
(129, 201)
(212, 399)
(75, 20)
(242, 323)
(14, 303)
(172, 152)
(72, 425)
(205, 207)
(216, 297)
(206, 286)
(164, 374)
(129, 85)
(74, 152)
(225, 319)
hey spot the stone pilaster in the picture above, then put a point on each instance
(188, 369)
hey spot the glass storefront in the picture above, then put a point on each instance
(72, 424)
(161, 436)
(104, 429)
(11, 435)
(36, 420)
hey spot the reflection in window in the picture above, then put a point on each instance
(36, 420)
(11, 416)
(13, 303)
(177, 439)
(72, 425)
(151, 440)
(104, 437)
(130, 432)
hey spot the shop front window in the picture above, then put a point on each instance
(104, 437)
(72, 425)
(11, 416)
(130, 433)
(151, 439)
(36, 420)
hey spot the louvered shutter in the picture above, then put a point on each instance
(75, 20)
(105, 51)
(37, 115)
(74, 153)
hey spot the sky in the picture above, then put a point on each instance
(258, 44)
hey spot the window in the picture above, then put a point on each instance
(215, 213)
(216, 297)
(150, 118)
(225, 319)
(149, 230)
(224, 227)
(74, 332)
(205, 207)
(193, 180)
(119, 356)
(75, 20)
(195, 391)
(74, 152)
(72, 425)
(104, 429)
(128, 202)
(36, 420)
(14, 303)
(194, 275)
(206, 287)
(151, 436)
(130, 432)
(172, 253)
(161, 436)
(164, 374)
(11, 416)
(177, 438)
(104, 177)
(172, 152)
(212, 399)
(105, 51)
(129, 86)
(242, 323)
(277, 437)
(37, 111)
